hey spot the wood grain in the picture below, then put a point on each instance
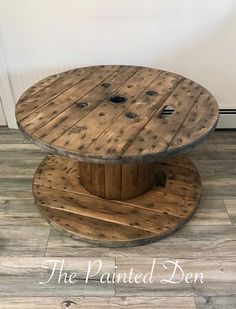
(158, 114)
(230, 206)
(27, 106)
(215, 160)
(215, 302)
(219, 276)
(117, 182)
(69, 207)
(98, 302)
(22, 275)
(105, 113)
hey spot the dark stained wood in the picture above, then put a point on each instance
(71, 114)
(28, 106)
(115, 181)
(208, 247)
(113, 178)
(85, 175)
(64, 120)
(151, 216)
(80, 86)
(117, 121)
(157, 135)
(42, 84)
(198, 122)
(97, 173)
(105, 113)
(141, 111)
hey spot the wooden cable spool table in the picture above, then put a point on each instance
(114, 132)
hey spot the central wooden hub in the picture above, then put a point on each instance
(117, 182)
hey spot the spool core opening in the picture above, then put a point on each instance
(117, 99)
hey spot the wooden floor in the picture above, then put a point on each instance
(206, 244)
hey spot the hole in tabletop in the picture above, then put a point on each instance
(106, 85)
(151, 93)
(117, 99)
(81, 104)
(131, 115)
(167, 111)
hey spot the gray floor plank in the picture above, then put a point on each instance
(23, 240)
(209, 302)
(98, 302)
(230, 206)
(23, 276)
(24, 208)
(191, 241)
(207, 243)
(219, 277)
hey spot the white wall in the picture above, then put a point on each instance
(2, 116)
(193, 37)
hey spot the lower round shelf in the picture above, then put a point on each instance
(69, 207)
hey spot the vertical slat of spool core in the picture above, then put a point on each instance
(85, 175)
(145, 180)
(113, 181)
(129, 181)
(117, 182)
(97, 172)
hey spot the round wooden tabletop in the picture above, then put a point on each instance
(117, 114)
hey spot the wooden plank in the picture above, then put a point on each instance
(24, 240)
(146, 175)
(48, 111)
(62, 122)
(159, 199)
(213, 152)
(50, 118)
(127, 215)
(216, 168)
(97, 173)
(230, 206)
(13, 184)
(96, 231)
(198, 122)
(113, 179)
(97, 302)
(219, 277)
(134, 118)
(22, 155)
(129, 180)
(108, 112)
(22, 275)
(42, 84)
(215, 302)
(24, 207)
(210, 212)
(64, 201)
(85, 175)
(182, 100)
(211, 206)
(28, 106)
(217, 218)
(190, 242)
(117, 182)
(15, 194)
(17, 148)
(224, 187)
